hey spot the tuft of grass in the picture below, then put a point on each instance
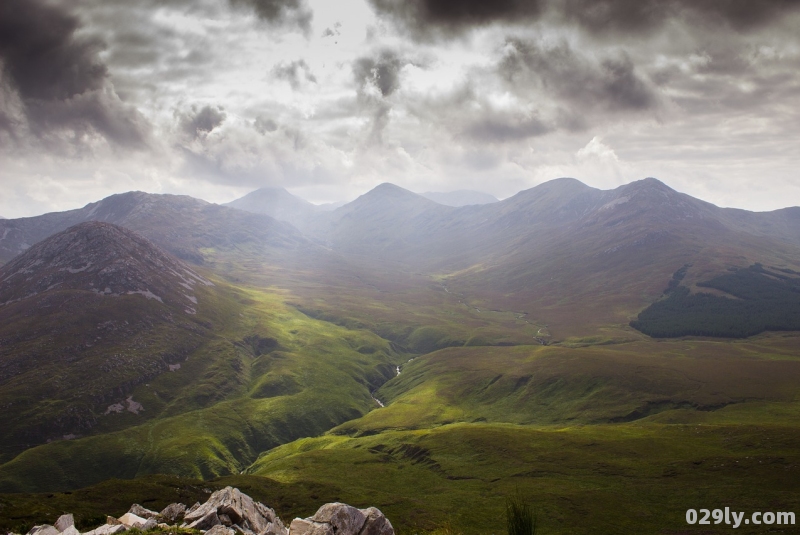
(520, 517)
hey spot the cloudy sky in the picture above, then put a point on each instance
(328, 98)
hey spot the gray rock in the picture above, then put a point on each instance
(225, 520)
(206, 522)
(63, 522)
(44, 529)
(193, 508)
(307, 526)
(131, 520)
(376, 523)
(345, 519)
(275, 529)
(71, 530)
(220, 530)
(150, 524)
(173, 512)
(138, 510)
(239, 507)
(111, 521)
(108, 529)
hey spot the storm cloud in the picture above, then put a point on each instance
(280, 12)
(198, 122)
(54, 82)
(610, 83)
(427, 18)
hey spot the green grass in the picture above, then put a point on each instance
(225, 405)
(622, 478)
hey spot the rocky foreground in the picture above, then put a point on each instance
(231, 512)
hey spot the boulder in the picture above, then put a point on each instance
(376, 523)
(240, 508)
(63, 522)
(44, 529)
(220, 530)
(275, 529)
(111, 521)
(193, 508)
(131, 520)
(107, 529)
(206, 522)
(307, 526)
(71, 530)
(138, 510)
(345, 519)
(149, 524)
(173, 512)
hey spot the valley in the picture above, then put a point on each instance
(511, 325)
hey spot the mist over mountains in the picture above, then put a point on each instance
(561, 250)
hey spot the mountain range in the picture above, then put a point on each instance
(148, 334)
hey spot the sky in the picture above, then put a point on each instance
(216, 98)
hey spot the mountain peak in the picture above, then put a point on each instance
(102, 258)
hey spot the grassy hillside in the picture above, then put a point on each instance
(271, 375)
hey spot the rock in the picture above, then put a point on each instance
(150, 524)
(111, 521)
(131, 520)
(63, 522)
(345, 519)
(138, 510)
(107, 529)
(300, 526)
(173, 512)
(239, 508)
(220, 530)
(275, 529)
(206, 522)
(225, 520)
(376, 523)
(193, 508)
(44, 529)
(71, 530)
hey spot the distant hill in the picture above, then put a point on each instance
(277, 203)
(189, 228)
(462, 197)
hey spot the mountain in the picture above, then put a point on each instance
(277, 203)
(85, 316)
(385, 222)
(462, 197)
(189, 228)
(123, 356)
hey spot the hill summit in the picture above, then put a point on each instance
(102, 258)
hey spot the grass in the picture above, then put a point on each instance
(520, 518)
(226, 404)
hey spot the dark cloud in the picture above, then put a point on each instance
(58, 79)
(199, 122)
(609, 84)
(295, 72)
(602, 16)
(382, 72)
(280, 12)
(426, 18)
(495, 127)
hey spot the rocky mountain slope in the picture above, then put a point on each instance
(85, 316)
